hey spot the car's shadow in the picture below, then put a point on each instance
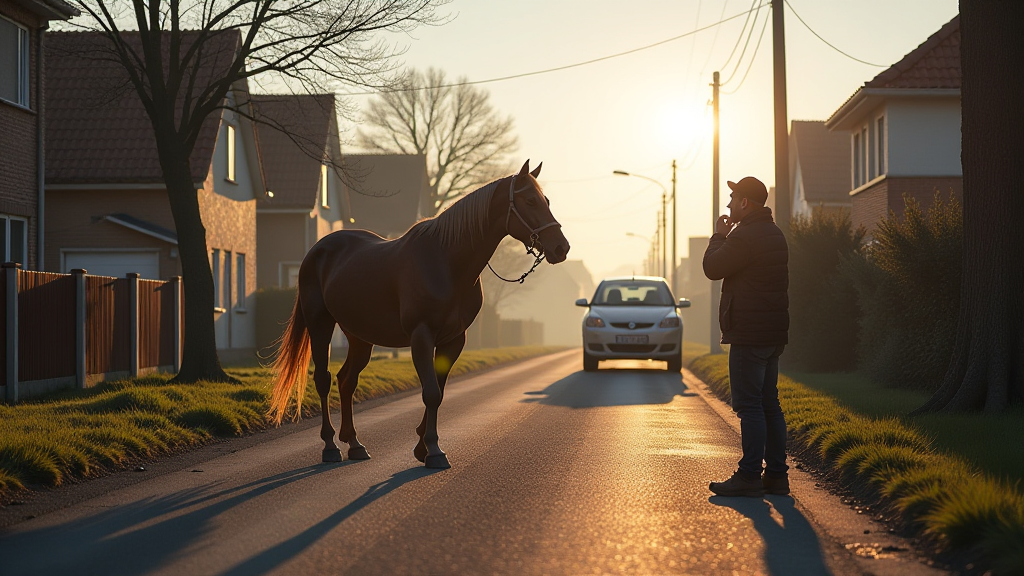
(612, 386)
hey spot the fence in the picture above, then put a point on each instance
(74, 330)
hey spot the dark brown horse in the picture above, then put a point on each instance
(421, 290)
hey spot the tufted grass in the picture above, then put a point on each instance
(79, 434)
(945, 495)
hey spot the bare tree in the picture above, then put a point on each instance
(308, 44)
(466, 141)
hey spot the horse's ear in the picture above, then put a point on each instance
(525, 169)
(536, 171)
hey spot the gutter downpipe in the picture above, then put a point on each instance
(40, 151)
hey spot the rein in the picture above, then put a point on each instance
(534, 235)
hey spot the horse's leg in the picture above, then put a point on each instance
(423, 359)
(320, 325)
(348, 377)
(444, 359)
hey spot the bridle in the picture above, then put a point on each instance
(534, 234)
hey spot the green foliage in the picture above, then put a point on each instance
(823, 305)
(943, 495)
(908, 291)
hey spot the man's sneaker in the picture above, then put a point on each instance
(777, 486)
(738, 486)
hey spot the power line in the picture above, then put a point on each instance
(740, 38)
(829, 43)
(559, 68)
(739, 61)
(752, 58)
(714, 40)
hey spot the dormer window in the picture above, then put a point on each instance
(231, 153)
(323, 185)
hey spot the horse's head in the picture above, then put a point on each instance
(534, 225)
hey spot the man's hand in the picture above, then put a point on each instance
(724, 225)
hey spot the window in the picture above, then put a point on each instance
(864, 154)
(216, 278)
(240, 282)
(856, 161)
(14, 239)
(231, 153)
(880, 145)
(14, 65)
(323, 185)
(227, 279)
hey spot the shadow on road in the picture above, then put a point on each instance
(140, 537)
(791, 547)
(621, 387)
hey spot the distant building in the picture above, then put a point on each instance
(386, 191)
(819, 168)
(549, 297)
(23, 124)
(904, 129)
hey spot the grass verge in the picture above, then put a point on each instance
(78, 434)
(940, 495)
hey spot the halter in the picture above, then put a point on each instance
(534, 233)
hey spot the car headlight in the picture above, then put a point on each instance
(595, 322)
(670, 322)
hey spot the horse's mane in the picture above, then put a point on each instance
(464, 220)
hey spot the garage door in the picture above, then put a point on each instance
(116, 264)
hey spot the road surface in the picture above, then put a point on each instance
(554, 471)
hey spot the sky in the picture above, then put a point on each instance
(640, 111)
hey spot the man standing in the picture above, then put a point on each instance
(749, 253)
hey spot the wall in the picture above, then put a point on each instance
(873, 204)
(279, 238)
(924, 137)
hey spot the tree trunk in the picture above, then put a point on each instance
(987, 368)
(199, 353)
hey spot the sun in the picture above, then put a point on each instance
(680, 126)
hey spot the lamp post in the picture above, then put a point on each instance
(647, 263)
(666, 270)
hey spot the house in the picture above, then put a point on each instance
(22, 122)
(106, 203)
(305, 197)
(549, 297)
(819, 168)
(904, 130)
(386, 191)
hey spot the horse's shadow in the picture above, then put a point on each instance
(615, 387)
(146, 535)
(789, 548)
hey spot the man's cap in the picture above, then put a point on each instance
(750, 188)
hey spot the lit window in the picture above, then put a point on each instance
(323, 185)
(880, 134)
(14, 239)
(240, 281)
(14, 65)
(231, 153)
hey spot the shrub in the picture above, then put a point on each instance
(823, 305)
(908, 292)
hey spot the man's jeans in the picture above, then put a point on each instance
(754, 377)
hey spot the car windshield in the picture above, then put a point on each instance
(632, 293)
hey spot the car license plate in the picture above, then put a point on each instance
(631, 339)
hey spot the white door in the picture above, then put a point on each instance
(116, 264)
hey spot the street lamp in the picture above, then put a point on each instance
(665, 270)
(647, 263)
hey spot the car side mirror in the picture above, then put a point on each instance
(684, 303)
(582, 302)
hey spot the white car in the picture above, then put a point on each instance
(633, 317)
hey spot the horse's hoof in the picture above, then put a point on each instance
(332, 455)
(358, 453)
(420, 452)
(439, 461)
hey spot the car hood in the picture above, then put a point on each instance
(631, 313)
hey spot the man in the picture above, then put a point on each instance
(749, 253)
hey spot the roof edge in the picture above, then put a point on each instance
(844, 115)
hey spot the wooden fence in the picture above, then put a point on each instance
(74, 330)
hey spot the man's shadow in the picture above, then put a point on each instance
(789, 548)
(612, 387)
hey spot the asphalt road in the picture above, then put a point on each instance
(554, 471)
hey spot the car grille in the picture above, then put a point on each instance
(596, 347)
(638, 326)
(632, 348)
(667, 347)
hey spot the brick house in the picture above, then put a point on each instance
(107, 209)
(22, 123)
(305, 198)
(386, 192)
(819, 168)
(904, 128)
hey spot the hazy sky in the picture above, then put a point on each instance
(638, 112)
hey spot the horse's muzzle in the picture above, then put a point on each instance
(558, 252)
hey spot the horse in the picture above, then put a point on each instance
(420, 290)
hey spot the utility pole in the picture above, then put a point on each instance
(675, 262)
(716, 285)
(664, 238)
(782, 192)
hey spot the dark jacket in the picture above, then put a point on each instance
(754, 263)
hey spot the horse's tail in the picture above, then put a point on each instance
(290, 366)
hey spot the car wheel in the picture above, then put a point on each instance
(589, 363)
(675, 363)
